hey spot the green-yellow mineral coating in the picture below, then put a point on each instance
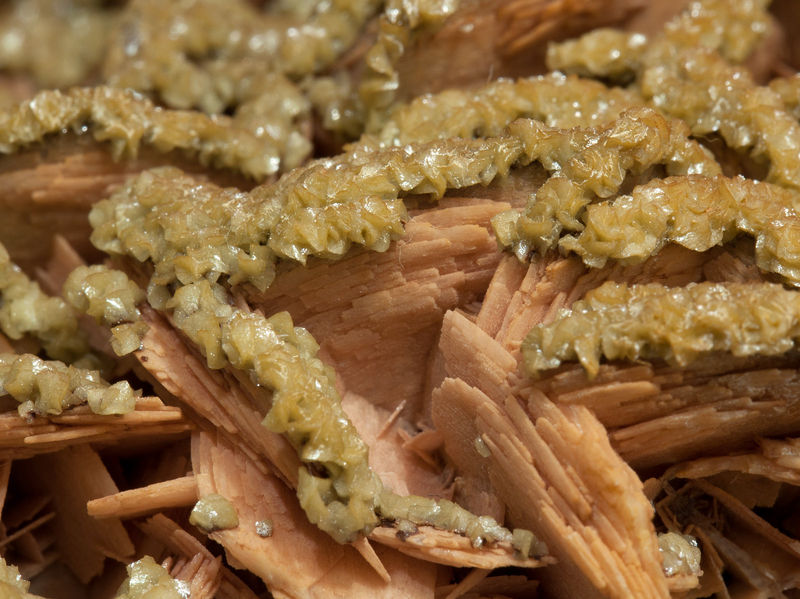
(148, 580)
(680, 554)
(189, 229)
(698, 213)
(213, 54)
(715, 97)
(105, 294)
(48, 387)
(110, 297)
(306, 408)
(607, 53)
(338, 490)
(213, 512)
(354, 198)
(676, 324)
(12, 584)
(592, 163)
(59, 42)
(448, 515)
(788, 89)
(526, 543)
(26, 310)
(340, 493)
(223, 55)
(684, 72)
(400, 19)
(732, 28)
(555, 99)
(192, 230)
(253, 146)
(127, 337)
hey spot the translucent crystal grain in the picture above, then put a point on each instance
(213, 512)
(607, 53)
(680, 553)
(396, 30)
(147, 580)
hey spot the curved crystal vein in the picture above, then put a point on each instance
(554, 99)
(607, 53)
(191, 229)
(127, 120)
(59, 42)
(338, 490)
(715, 97)
(589, 164)
(621, 322)
(49, 387)
(685, 73)
(698, 213)
(26, 310)
(733, 28)
(396, 28)
(193, 53)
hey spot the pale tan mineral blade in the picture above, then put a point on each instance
(556, 473)
(74, 476)
(722, 426)
(400, 469)
(180, 543)
(377, 315)
(751, 463)
(236, 407)
(777, 460)
(506, 281)
(486, 40)
(297, 559)
(151, 421)
(465, 447)
(201, 573)
(177, 492)
(50, 189)
(233, 407)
